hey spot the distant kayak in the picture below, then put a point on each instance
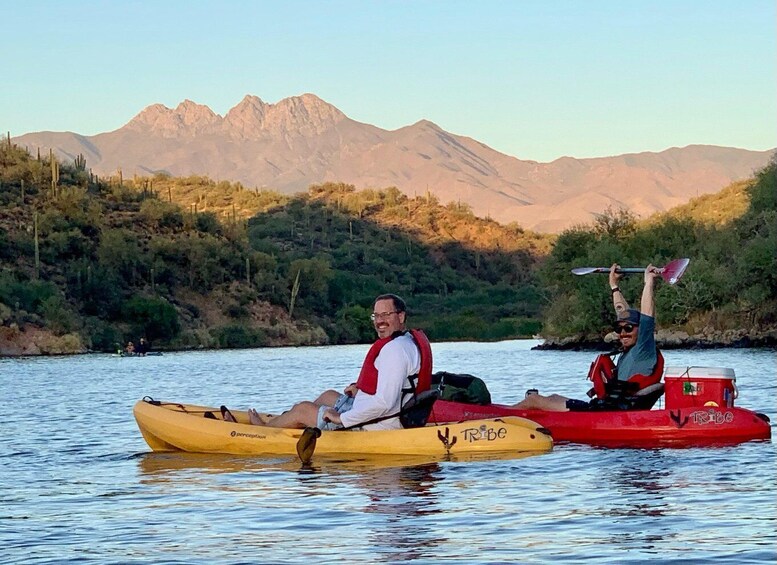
(149, 354)
(168, 426)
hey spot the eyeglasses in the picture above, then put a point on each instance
(628, 328)
(382, 315)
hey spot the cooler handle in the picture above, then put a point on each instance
(736, 390)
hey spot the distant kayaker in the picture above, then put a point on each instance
(398, 363)
(635, 330)
(130, 348)
(142, 347)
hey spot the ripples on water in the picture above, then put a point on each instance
(78, 482)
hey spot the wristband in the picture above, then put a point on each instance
(614, 290)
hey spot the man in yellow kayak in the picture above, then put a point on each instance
(398, 363)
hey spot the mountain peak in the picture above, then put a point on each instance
(307, 113)
(148, 116)
(246, 120)
(426, 124)
(251, 100)
(187, 118)
(196, 117)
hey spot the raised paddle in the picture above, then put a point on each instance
(671, 273)
(306, 444)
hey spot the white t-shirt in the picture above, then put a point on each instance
(398, 359)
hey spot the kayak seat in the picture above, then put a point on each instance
(645, 398)
(416, 410)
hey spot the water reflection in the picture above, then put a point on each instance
(398, 497)
(393, 490)
(166, 465)
(161, 464)
(648, 478)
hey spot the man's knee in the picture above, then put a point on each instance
(554, 402)
(304, 406)
(327, 398)
(556, 398)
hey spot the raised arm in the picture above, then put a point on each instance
(618, 300)
(647, 304)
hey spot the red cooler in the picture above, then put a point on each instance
(696, 387)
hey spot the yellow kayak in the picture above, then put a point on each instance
(169, 426)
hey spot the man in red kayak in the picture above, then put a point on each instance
(635, 330)
(398, 363)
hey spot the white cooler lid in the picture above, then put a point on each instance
(700, 372)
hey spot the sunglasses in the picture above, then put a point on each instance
(628, 328)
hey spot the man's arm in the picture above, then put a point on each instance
(618, 300)
(647, 304)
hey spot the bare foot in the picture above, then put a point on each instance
(258, 419)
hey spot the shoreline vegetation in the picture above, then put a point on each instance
(88, 264)
(16, 342)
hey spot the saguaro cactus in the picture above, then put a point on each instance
(294, 293)
(54, 164)
(80, 162)
(37, 247)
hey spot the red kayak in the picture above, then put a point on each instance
(699, 411)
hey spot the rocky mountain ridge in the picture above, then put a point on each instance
(251, 119)
(303, 140)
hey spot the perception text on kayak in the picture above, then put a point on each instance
(243, 434)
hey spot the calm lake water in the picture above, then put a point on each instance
(78, 483)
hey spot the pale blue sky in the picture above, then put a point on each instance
(534, 79)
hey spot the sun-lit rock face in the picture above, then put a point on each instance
(187, 119)
(305, 115)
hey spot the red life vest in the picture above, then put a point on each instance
(368, 376)
(602, 371)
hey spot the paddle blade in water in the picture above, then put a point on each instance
(306, 444)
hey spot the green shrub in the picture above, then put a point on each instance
(238, 337)
(102, 336)
(157, 213)
(25, 294)
(151, 317)
(58, 315)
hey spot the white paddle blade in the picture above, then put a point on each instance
(589, 270)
